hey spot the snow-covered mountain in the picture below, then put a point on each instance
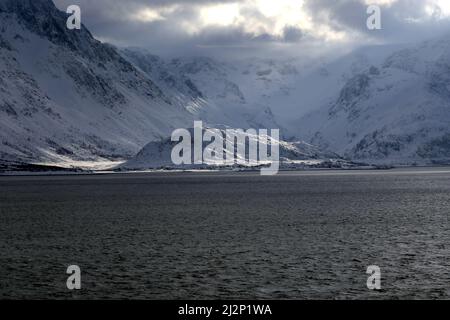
(298, 154)
(66, 96)
(395, 112)
(212, 89)
(258, 93)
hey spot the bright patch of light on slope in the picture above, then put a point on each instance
(66, 162)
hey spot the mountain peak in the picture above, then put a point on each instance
(41, 17)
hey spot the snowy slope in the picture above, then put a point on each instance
(65, 96)
(395, 112)
(208, 86)
(257, 93)
(275, 92)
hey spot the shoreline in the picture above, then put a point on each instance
(59, 171)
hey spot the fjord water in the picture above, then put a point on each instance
(227, 235)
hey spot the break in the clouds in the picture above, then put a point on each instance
(175, 26)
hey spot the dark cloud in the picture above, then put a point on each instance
(402, 20)
(112, 21)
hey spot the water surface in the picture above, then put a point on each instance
(297, 235)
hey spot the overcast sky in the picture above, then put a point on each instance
(264, 27)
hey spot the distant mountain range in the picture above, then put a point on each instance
(66, 98)
(395, 112)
